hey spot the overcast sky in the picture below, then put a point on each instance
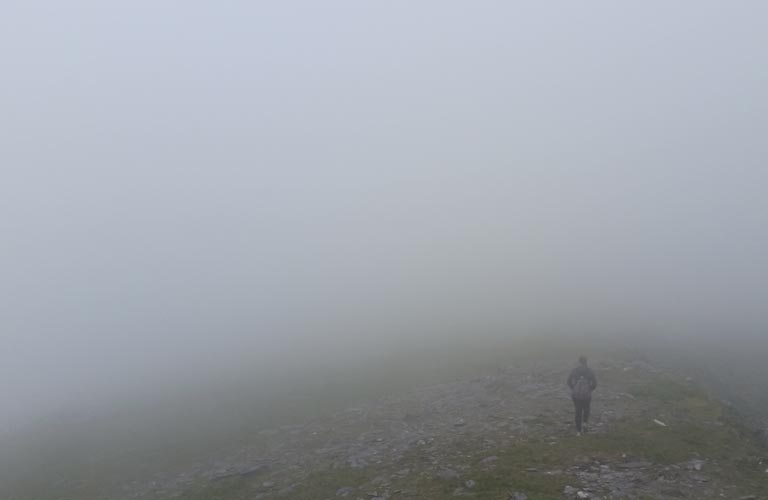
(184, 182)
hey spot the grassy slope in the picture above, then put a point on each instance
(703, 428)
(89, 460)
(80, 465)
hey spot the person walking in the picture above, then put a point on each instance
(582, 382)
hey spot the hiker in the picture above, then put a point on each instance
(582, 382)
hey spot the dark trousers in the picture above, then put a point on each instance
(582, 411)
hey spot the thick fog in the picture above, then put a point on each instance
(189, 186)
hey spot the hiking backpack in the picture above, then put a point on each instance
(582, 389)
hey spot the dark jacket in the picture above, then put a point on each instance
(582, 371)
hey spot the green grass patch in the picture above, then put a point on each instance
(666, 389)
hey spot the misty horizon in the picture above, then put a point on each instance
(190, 188)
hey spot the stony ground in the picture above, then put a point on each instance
(506, 435)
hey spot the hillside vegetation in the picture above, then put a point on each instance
(486, 424)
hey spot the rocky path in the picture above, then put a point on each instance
(457, 439)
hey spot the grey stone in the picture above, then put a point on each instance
(447, 474)
(357, 463)
(344, 491)
(695, 465)
(570, 491)
(633, 465)
(253, 470)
